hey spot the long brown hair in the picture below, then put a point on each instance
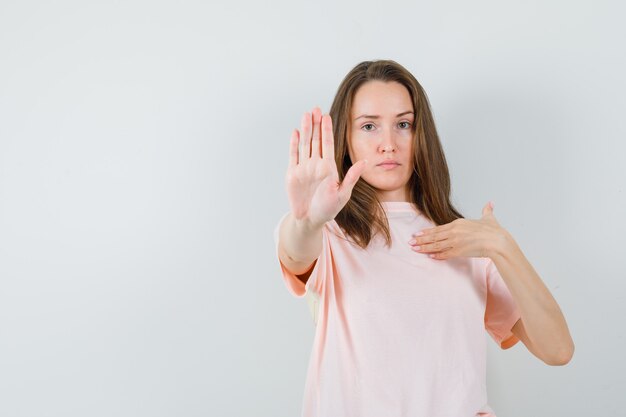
(363, 216)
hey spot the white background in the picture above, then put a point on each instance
(143, 147)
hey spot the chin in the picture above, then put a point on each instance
(385, 185)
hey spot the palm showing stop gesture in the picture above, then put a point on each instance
(313, 188)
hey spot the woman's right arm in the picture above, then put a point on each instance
(299, 245)
(315, 194)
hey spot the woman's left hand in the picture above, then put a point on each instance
(462, 237)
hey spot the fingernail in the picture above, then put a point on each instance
(418, 233)
(412, 242)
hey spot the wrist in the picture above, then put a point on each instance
(502, 244)
(306, 226)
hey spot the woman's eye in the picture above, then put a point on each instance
(404, 125)
(368, 127)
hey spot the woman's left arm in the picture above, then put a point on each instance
(542, 327)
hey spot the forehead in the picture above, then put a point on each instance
(382, 99)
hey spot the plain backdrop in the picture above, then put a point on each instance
(143, 149)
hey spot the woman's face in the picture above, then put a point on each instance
(381, 131)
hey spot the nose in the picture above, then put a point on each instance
(388, 142)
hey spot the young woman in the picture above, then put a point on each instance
(401, 286)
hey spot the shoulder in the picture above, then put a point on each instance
(338, 237)
(332, 229)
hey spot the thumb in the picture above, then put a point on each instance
(488, 209)
(352, 176)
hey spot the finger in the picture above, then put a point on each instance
(293, 148)
(438, 246)
(429, 238)
(446, 254)
(488, 209)
(435, 230)
(315, 136)
(328, 145)
(352, 176)
(305, 138)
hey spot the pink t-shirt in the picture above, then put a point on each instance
(398, 333)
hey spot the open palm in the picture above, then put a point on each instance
(313, 188)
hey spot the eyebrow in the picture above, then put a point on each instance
(368, 116)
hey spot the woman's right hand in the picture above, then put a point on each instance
(313, 188)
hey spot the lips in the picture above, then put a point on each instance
(389, 162)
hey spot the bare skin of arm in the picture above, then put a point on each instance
(299, 246)
(542, 327)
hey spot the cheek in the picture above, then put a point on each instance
(408, 146)
(360, 149)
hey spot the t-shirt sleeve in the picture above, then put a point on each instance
(501, 312)
(321, 269)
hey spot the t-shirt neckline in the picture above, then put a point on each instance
(398, 206)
